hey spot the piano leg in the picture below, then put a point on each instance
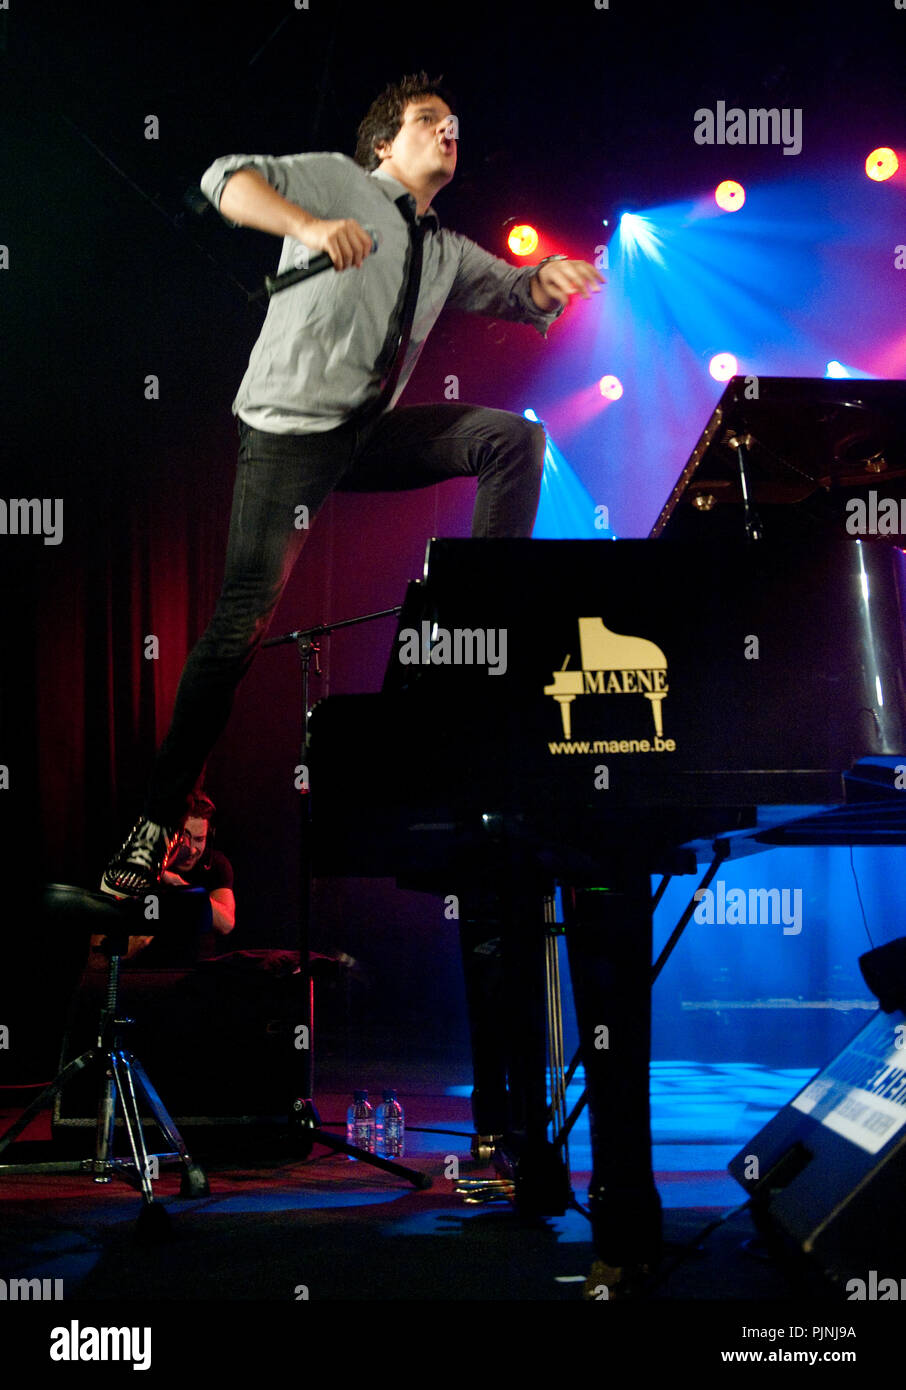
(608, 933)
(482, 959)
(503, 956)
(523, 1019)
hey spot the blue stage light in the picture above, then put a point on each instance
(566, 510)
(638, 235)
(845, 369)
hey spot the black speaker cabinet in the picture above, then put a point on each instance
(828, 1173)
(218, 1040)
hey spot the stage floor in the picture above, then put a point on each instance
(274, 1225)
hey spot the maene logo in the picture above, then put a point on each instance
(612, 664)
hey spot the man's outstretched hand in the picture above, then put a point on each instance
(557, 280)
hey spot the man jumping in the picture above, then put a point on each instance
(316, 405)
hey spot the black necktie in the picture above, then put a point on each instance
(391, 376)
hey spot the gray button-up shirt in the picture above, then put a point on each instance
(315, 360)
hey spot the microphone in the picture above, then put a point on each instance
(273, 284)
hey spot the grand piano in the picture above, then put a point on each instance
(585, 714)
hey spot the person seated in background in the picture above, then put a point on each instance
(192, 863)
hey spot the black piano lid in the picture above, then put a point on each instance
(813, 444)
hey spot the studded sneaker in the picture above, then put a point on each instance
(137, 867)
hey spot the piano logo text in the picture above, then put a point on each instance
(614, 745)
(459, 646)
(612, 664)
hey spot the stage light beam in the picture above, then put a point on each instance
(845, 369)
(638, 234)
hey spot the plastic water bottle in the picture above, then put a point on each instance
(360, 1129)
(391, 1127)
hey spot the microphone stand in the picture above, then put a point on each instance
(305, 1122)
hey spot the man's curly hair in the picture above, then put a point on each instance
(199, 806)
(385, 114)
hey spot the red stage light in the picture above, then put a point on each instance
(611, 387)
(522, 239)
(729, 196)
(881, 164)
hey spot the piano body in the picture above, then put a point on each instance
(772, 670)
(615, 707)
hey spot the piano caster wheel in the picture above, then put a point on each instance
(483, 1147)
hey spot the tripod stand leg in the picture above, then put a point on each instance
(153, 1224)
(122, 1066)
(194, 1182)
(42, 1101)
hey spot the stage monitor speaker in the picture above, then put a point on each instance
(828, 1173)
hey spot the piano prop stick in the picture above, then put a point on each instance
(612, 663)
